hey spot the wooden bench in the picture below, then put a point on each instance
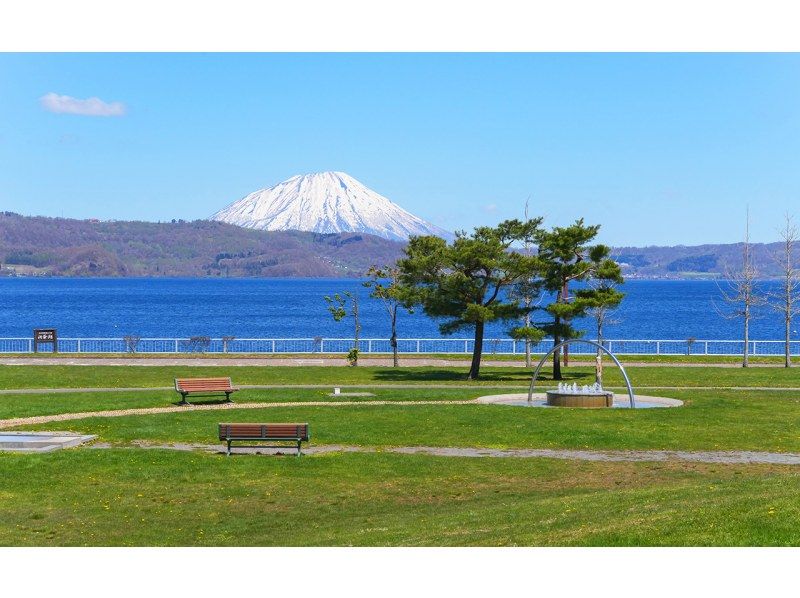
(206, 387)
(264, 432)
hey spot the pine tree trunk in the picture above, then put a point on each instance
(395, 361)
(475, 368)
(527, 342)
(557, 355)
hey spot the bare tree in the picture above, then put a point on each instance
(390, 292)
(787, 299)
(742, 294)
(342, 306)
(132, 342)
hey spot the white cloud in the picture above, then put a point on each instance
(490, 208)
(53, 102)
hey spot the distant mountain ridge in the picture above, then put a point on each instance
(325, 202)
(41, 246)
(696, 261)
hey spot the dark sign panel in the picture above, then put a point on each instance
(46, 336)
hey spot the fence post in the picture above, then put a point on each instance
(658, 347)
(79, 345)
(322, 345)
(609, 347)
(417, 345)
(369, 346)
(706, 347)
(176, 345)
(30, 345)
(273, 345)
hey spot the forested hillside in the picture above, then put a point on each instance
(31, 246)
(67, 247)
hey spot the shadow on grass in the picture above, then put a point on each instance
(192, 403)
(519, 375)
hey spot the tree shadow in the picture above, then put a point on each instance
(518, 375)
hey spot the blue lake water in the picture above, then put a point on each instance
(289, 308)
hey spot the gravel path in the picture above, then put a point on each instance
(43, 419)
(719, 457)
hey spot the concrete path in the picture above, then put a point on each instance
(718, 457)
(373, 386)
(322, 361)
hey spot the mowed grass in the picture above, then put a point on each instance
(133, 496)
(157, 497)
(71, 376)
(709, 420)
(52, 403)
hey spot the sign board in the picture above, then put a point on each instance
(45, 336)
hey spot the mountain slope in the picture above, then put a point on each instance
(325, 202)
(66, 247)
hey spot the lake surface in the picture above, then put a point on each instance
(289, 308)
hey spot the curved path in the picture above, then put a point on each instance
(720, 457)
(60, 417)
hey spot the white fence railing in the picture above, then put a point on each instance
(499, 346)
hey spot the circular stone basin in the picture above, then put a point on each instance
(591, 400)
(619, 401)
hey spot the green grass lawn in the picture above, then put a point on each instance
(709, 421)
(155, 497)
(128, 495)
(70, 376)
(49, 403)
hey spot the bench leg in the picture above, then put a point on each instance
(299, 451)
(229, 448)
(228, 397)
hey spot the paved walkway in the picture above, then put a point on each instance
(324, 361)
(720, 457)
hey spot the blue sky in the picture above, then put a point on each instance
(657, 148)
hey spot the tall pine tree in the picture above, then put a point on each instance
(566, 257)
(464, 283)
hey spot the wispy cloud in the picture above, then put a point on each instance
(59, 104)
(490, 208)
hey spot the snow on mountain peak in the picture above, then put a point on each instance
(325, 202)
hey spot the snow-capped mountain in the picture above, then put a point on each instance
(325, 202)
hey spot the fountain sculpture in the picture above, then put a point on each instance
(572, 395)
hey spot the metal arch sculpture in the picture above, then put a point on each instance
(594, 344)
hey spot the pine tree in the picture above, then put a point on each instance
(566, 257)
(464, 283)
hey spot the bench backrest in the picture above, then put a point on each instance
(202, 384)
(271, 431)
